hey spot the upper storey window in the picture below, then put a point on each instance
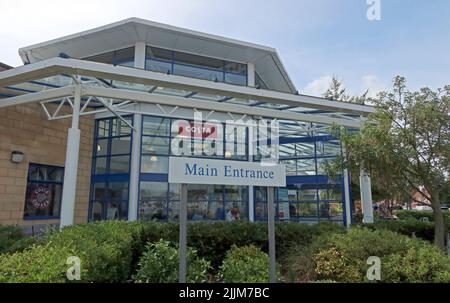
(195, 66)
(124, 57)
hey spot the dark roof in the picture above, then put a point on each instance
(4, 66)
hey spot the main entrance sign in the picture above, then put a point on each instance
(207, 171)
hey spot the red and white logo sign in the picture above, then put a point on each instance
(197, 130)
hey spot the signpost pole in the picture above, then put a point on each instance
(182, 240)
(271, 230)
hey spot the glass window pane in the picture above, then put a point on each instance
(197, 210)
(199, 61)
(124, 56)
(102, 58)
(291, 167)
(102, 128)
(118, 191)
(235, 79)
(260, 211)
(119, 164)
(174, 191)
(99, 191)
(308, 194)
(97, 210)
(155, 145)
(158, 66)
(120, 145)
(260, 194)
(328, 148)
(322, 164)
(117, 210)
(237, 68)
(156, 126)
(153, 190)
(100, 165)
(306, 209)
(158, 53)
(235, 211)
(102, 147)
(306, 167)
(174, 210)
(55, 173)
(154, 164)
(120, 128)
(287, 194)
(236, 193)
(153, 209)
(196, 72)
(283, 211)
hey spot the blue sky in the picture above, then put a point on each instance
(316, 39)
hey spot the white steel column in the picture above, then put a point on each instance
(139, 55)
(366, 197)
(133, 201)
(250, 74)
(71, 166)
(251, 193)
(348, 207)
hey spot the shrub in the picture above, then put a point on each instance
(423, 263)
(104, 249)
(107, 247)
(160, 261)
(247, 264)
(214, 239)
(403, 259)
(12, 239)
(409, 227)
(39, 263)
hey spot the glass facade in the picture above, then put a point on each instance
(159, 200)
(111, 169)
(195, 66)
(310, 196)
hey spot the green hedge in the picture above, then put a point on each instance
(418, 215)
(105, 251)
(12, 239)
(410, 227)
(343, 258)
(247, 264)
(160, 263)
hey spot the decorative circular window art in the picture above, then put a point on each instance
(40, 197)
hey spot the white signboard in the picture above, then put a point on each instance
(225, 172)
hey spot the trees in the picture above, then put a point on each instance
(405, 145)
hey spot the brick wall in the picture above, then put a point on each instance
(25, 128)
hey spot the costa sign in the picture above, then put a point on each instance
(197, 130)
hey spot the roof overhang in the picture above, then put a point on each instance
(137, 85)
(127, 32)
(60, 66)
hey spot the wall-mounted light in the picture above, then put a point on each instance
(16, 156)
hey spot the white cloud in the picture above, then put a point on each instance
(373, 84)
(318, 86)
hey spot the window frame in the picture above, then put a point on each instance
(31, 181)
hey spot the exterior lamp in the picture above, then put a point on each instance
(16, 156)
